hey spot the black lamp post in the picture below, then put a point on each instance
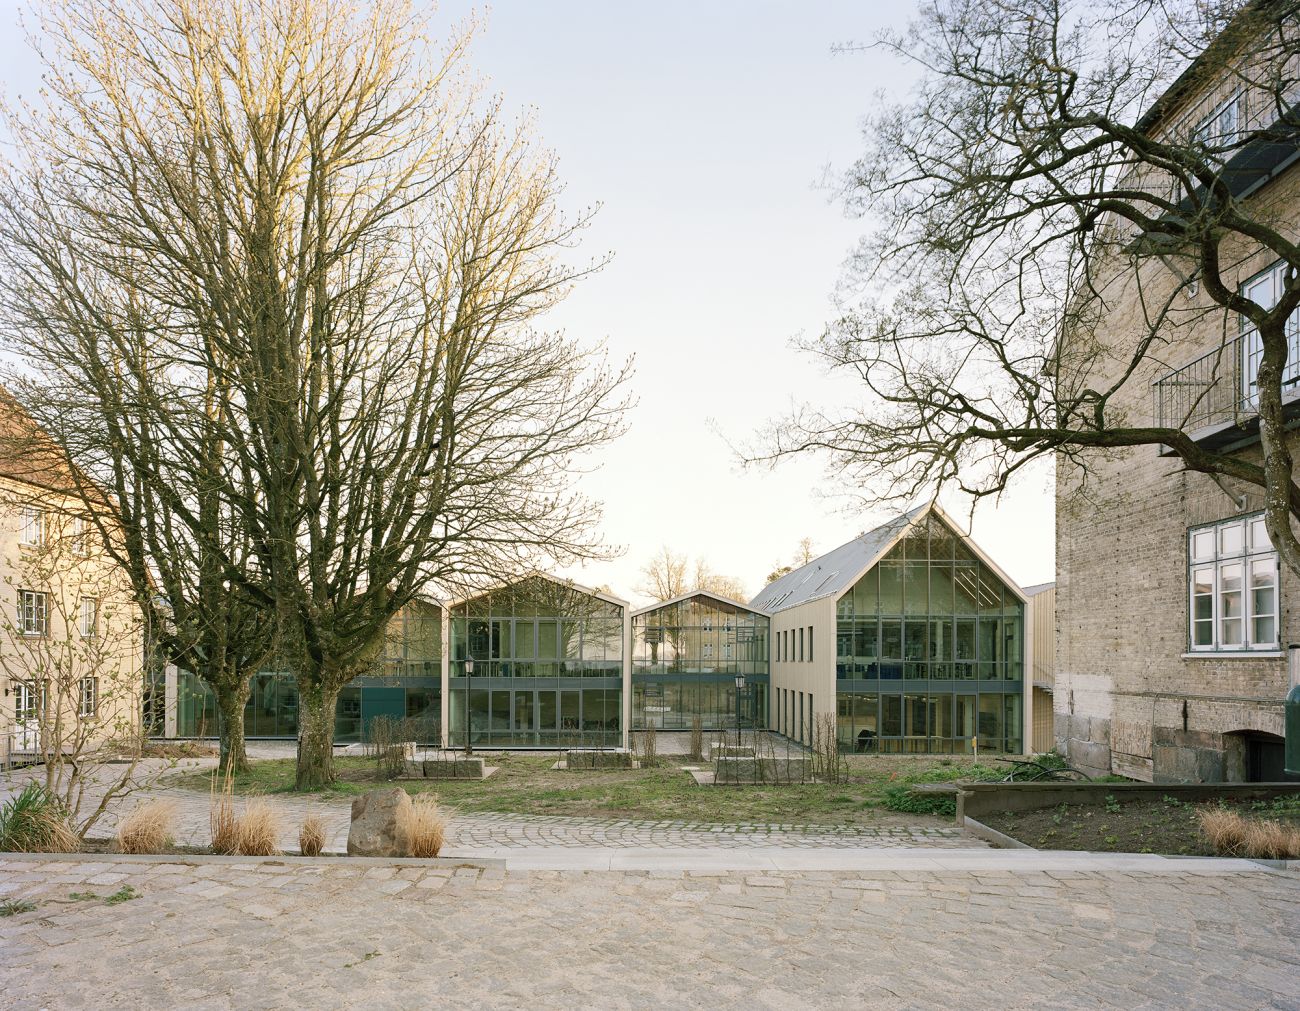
(469, 672)
(740, 686)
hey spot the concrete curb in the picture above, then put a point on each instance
(483, 863)
(991, 835)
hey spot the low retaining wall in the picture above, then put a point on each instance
(741, 769)
(974, 800)
(730, 751)
(616, 758)
(458, 767)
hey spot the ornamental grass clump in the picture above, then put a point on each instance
(148, 828)
(311, 837)
(428, 826)
(222, 823)
(257, 829)
(1234, 835)
(35, 822)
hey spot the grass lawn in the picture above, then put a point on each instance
(525, 784)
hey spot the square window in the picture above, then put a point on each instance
(1231, 539)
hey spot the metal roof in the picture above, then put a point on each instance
(837, 570)
(1036, 589)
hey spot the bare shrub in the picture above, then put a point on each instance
(222, 824)
(827, 762)
(257, 829)
(646, 747)
(428, 826)
(148, 828)
(697, 737)
(311, 837)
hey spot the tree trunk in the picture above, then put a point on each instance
(231, 700)
(316, 703)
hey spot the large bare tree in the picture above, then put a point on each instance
(333, 251)
(1058, 211)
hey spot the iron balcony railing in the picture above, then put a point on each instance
(1217, 389)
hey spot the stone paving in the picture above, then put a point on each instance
(304, 934)
(471, 833)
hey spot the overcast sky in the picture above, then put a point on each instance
(702, 128)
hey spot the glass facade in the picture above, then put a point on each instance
(930, 652)
(547, 668)
(407, 683)
(685, 658)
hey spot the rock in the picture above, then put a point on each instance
(598, 759)
(381, 824)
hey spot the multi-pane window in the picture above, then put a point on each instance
(1265, 290)
(33, 613)
(33, 519)
(80, 536)
(1233, 576)
(88, 696)
(1223, 126)
(88, 616)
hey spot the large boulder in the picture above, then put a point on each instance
(381, 824)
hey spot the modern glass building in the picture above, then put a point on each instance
(407, 682)
(929, 641)
(539, 663)
(686, 655)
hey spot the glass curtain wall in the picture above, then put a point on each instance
(685, 658)
(406, 682)
(930, 652)
(548, 668)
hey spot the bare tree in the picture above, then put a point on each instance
(669, 574)
(802, 556)
(335, 253)
(1058, 164)
(71, 651)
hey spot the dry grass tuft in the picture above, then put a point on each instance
(311, 837)
(222, 822)
(428, 826)
(1232, 835)
(148, 828)
(34, 821)
(258, 828)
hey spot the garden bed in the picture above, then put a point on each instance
(1163, 824)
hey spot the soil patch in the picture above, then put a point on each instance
(1166, 825)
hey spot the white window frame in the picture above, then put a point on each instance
(1265, 288)
(1215, 565)
(80, 537)
(88, 618)
(1204, 131)
(88, 696)
(33, 613)
(33, 531)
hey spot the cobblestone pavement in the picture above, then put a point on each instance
(470, 833)
(325, 934)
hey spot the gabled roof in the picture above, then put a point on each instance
(1036, 589)
(698, 593)
(836, 571)
(608, 598)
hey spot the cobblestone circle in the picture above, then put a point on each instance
(328, 935)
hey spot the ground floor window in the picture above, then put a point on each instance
(272, 707)
(941, 723)
(541, 715)
(672, 703)
(1233, 586)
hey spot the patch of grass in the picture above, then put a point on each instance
(257, 829)
(12, 907)
(525, 784)
(364, 958)
(124, 894)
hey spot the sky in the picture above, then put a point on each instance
(703, 130)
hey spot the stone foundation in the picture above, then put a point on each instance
(457, 767)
